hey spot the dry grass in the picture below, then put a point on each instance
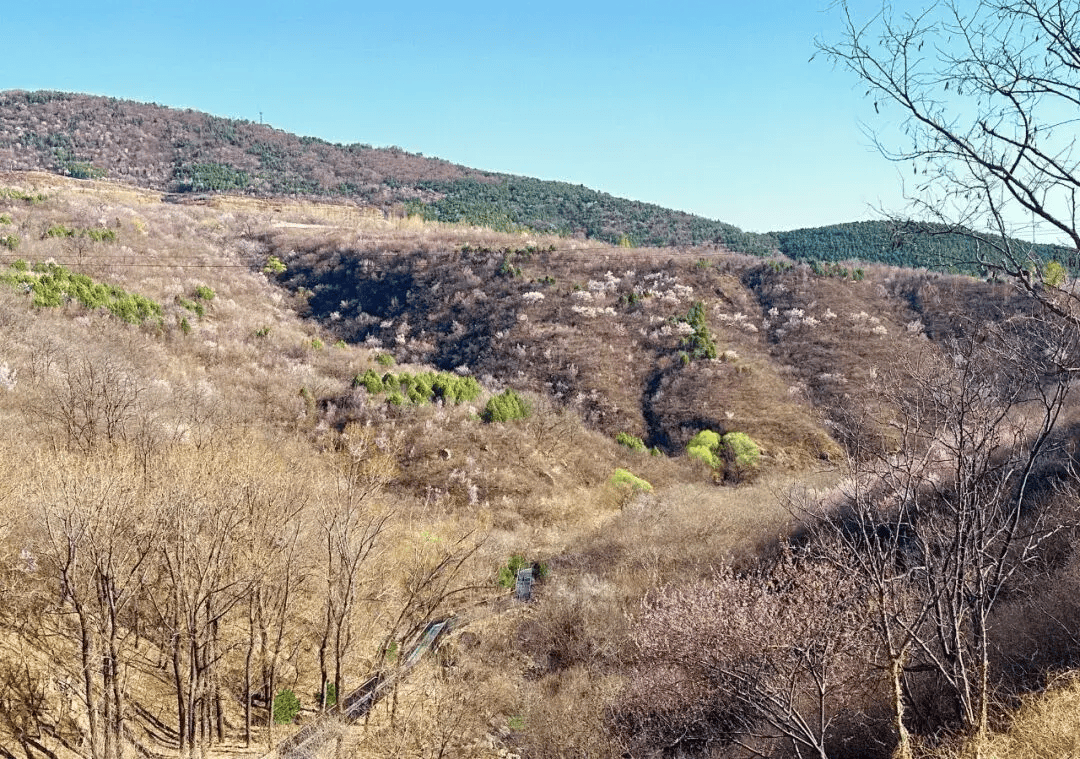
(539, 678)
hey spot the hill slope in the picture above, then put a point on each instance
(184, 151)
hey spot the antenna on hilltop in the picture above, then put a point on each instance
(260, 117)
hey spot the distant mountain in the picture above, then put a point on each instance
(188, 152)
(184, 151)
(936, 248)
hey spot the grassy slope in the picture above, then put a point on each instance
(803, 352)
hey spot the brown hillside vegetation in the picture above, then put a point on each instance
(210, 503)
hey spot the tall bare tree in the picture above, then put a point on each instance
(987, 92)
(98, 539)
(943, 524)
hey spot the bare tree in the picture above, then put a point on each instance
(749, 658)
(935, 531)
(201, 579)
(349, 524)
(97, 541)
(91, 402)
(987, 92)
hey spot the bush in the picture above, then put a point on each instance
(627, 484)
(286, 707)
(59, 230)
(699, 344)
(52, 285)
(419, 389)
(506, 406)
(5, 218)
(1054, 274)
(11, 242)
(507, 574)
(736, 449)
(742, 451)
(705, 446)
(630, 441)
(100, 234)
(384, 359)
(202, 292)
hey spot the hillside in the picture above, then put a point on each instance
(152, 146)
(274, 390)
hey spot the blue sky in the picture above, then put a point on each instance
(713, 108)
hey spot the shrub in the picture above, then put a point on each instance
(11, 242)
(331, 695)
(59, 230)
(384, 359)
(5, 218)
(742, 451)
(507, 574)
(202, 292)
(737, 449)
(506, 406)
(316, 344)
(100, 234)
(262, 331)
(705, 446)
(274, 265)
(286, 707)
(52, 285)
(699, 343)
(630, 441)
(190, 305)
(185, 326)
(1054, 274)
(627, 484)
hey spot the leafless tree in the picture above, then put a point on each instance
(97, 541)
(750, 658)
(937, 529)
(987, 92)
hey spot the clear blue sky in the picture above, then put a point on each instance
(712, 108)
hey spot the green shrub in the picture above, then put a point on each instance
(274, 265)
(11, 242)
(705, 446)
(10, 193)
(742, 451)
(699, 344)
(5, 218)
(52, 285)
(1054, 274)
(316, 344)
(735, 449)
(19, 265)
(340, 344)
(384, 359)
(190, 305)
(505, 407)
(626, 483)
(59, 230)
(419, 389)
(100, 234)
(630, 441)
(185, 326)
(262, 331)
(202, 292)
(286, 707)
(331, 695)
(507, 574)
